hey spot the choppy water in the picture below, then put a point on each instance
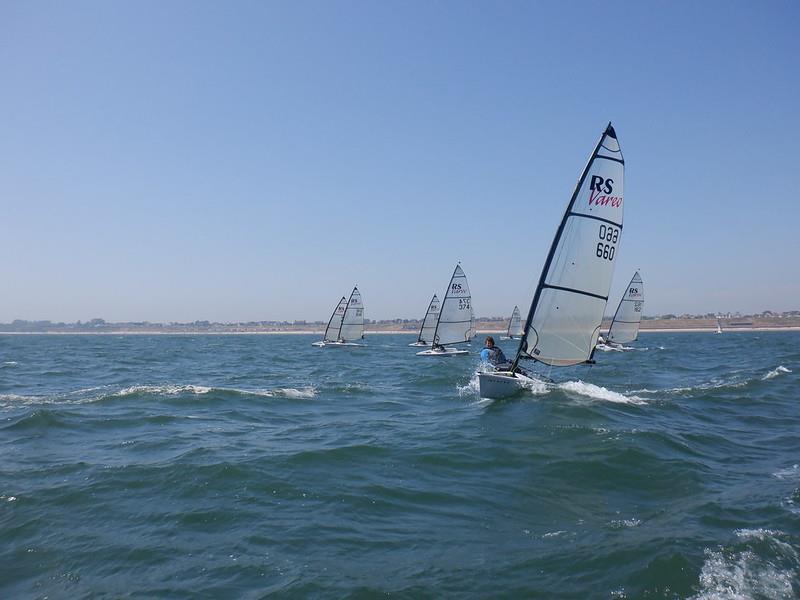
(244, 466)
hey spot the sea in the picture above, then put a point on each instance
(256, 466)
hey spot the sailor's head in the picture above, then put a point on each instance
(489, 341)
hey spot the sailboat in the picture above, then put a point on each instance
(346, 323)
(563, 323)
(428, 324)
(514, 325)
(719, 327)
(625, 325)
(455, 323)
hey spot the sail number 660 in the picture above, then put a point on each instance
(607, 234)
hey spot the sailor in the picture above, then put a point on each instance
(492, 354)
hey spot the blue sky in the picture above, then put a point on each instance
(252, 160)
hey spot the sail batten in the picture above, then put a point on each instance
(564, 319)
(625, 325)
(456, 322)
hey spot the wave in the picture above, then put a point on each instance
(790, 473)
(164, 390)
(176, 389)
(762, 566)
(597, 392)
(716, 384)
(90, 395)
(775, 372)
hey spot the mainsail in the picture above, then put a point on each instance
(625, 326)
(455, 322)
(352, 327)
(564, 319)
(429, 322)
(515, 323)
(335, 324)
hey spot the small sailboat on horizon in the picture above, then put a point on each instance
(514, 325)
(719, 326)
(563, 323)
(346, 323)
(428, 328)
(625, 324)
(455, 323)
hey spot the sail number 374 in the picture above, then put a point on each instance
(606, 248)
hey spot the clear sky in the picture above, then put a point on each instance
(254, 160)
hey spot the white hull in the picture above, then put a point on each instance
(419, 344)
(501, 384)
(326, 344)
(445, 352)
(608, 347)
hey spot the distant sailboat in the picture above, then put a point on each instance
(428, 324)
(514, 325)
(346, 323)
(455, 323)
(719, 327)
(625, 325)
(563, 323)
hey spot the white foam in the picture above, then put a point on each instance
(597, 392)
(740, 576)
(605, 348)
(757, 534)
(168, 390)
(554, 533)
(175, 389)
(775, 372)
(472, 387)
(790, 473)
(306, 392)
(620, 523)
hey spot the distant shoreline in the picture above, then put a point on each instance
(380, 332)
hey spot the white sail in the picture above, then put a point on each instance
(515, 323)
(625, 326)
(455, 322)
(353, 322)
(335, 323)
(564, 319)
(429, 322)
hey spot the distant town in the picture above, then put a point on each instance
(763, 320)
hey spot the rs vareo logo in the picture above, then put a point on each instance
(600, 190)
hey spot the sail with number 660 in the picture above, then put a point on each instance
(564, 319)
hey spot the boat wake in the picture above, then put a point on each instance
(538, 387)
(597, 392)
